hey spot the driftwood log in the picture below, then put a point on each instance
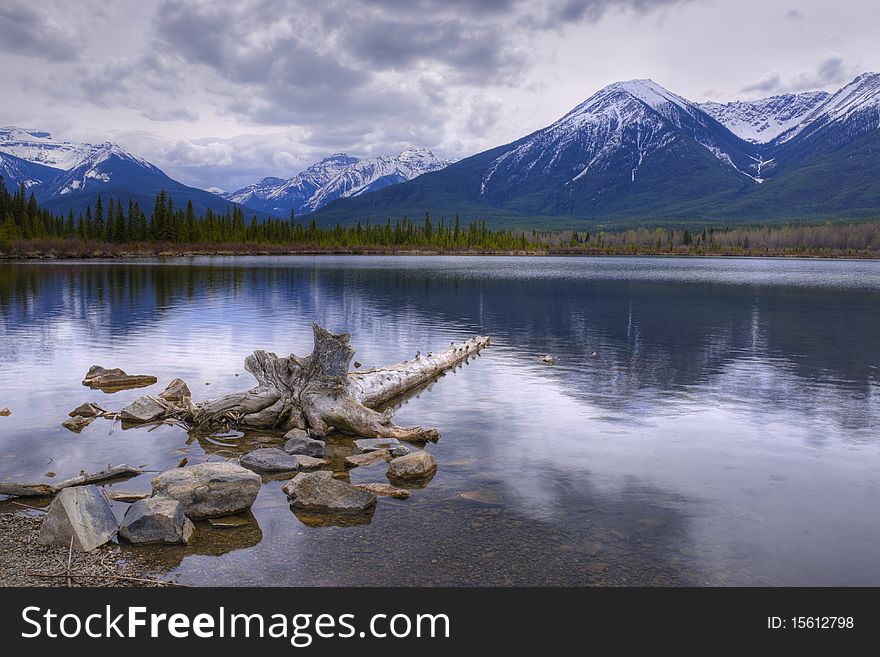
(319, 392)
(48, 490)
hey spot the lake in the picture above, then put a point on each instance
(708, 421)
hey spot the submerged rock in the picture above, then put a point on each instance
(367, 458)
(77, 423)
(385, 490)
(403, 450)
(270, 459)
(319, 492)
(299, 442)
(5, 412)
(99, 377)
(209, 490)
(372, 444)
(418, 465)
(81, 513)
(87, 409)
(142, 409)
(548, 359)
(309, 462)
(176, 391)
(156, 520)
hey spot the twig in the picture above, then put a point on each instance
(125, 578)
(28, 506)
(69, 559)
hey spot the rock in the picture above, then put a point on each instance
(124, 496)
(228, 522)
(81, 513)
(397, 452)
(319, 492)
(548, 359)
(368, 458)
(5, 412)
(176, 391)
(372, 444)
(77, 423)
(385, 490)
(156, 520)
(270, 459)
(309, 462)
(418, 465)
(99, 377)
(86, 410)
(299, 442)
(142, 409)
(264, 440)
(209, 490)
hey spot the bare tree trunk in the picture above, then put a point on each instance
(319, 392)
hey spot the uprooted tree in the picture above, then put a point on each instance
(319, 392)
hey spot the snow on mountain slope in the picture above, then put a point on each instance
(625, 121)
(857, 104)
(16, 171)
(337, 176)
(41, 148)
(762, 121)
(101, 166)
(374, 173)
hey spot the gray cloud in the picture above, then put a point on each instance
(27, 30)
(830, 71)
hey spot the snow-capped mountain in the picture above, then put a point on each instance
(762, 121)
(41, 148)
(611, 135)
(637, 151)
(337, 176)
(65, 175)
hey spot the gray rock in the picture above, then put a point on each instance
(176, 391)
(270, 459)
(209, 490)
(81, 513)
(418, 465)
(397, 452)
(142, 409)
(299, 442)
(86, 410)
(319, 492)
(368, 458)
(77, 423)
(372, 444)
(156, 520)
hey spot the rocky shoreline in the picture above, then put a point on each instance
(24, 562)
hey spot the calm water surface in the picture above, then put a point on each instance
(725, 432)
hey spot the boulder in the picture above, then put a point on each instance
(77, 423)
(418, 465)
(385, 490)
(209, 490)
(372, 444)
(270, 459)
(319, 492)
(397, 452)
(81, 513)
(86, 410)
(156, 520)
(176, 391)
(142, 409)
(100, 377)
(299, 442)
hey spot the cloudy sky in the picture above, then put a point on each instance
(224, 93)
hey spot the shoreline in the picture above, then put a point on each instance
(144, 254)
(21, 557)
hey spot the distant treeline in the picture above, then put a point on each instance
(117, 229)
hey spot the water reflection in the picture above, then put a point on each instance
(725, 431)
